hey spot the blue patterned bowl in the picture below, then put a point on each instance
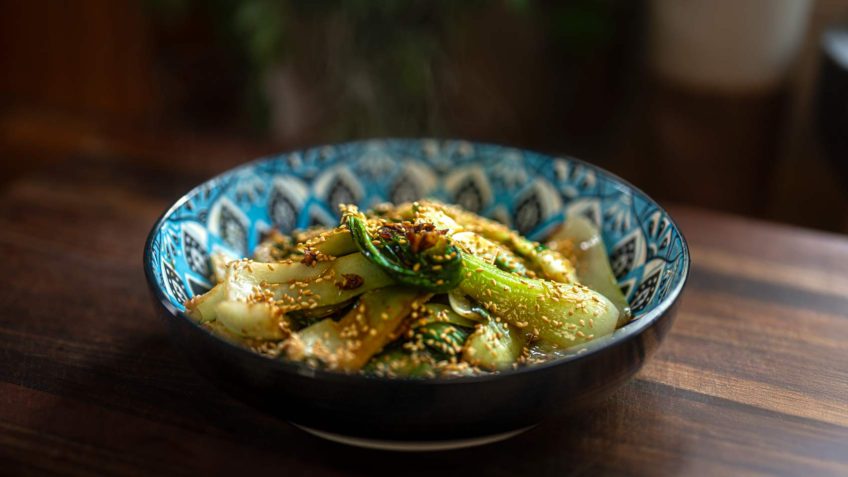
(530, 192)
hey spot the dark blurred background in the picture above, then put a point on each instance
(735, 105)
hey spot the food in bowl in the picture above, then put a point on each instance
(531, 193)
(419, 289)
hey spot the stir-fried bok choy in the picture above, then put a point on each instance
(421, 289)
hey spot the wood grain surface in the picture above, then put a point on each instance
(752, 380)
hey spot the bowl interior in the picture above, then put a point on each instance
(528, 191)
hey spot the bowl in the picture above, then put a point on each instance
(531, 192)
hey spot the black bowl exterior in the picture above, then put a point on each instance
(416, 410)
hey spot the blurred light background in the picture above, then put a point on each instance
(735, 105)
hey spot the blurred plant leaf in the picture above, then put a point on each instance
(262, 26)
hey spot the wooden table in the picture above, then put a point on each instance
(752, 380)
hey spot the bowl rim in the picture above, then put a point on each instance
(618, 337)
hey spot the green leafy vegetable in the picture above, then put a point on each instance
(419, 290)
(254, 297)
(309, 316)
(494, 345)
(561, 313)
(349, 343)
(579, 238)
(413, 254)
(398, 362)
(544, 261)
(335, 242)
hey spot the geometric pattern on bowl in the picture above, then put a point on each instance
(528, 191)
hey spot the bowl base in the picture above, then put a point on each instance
(413, 446)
